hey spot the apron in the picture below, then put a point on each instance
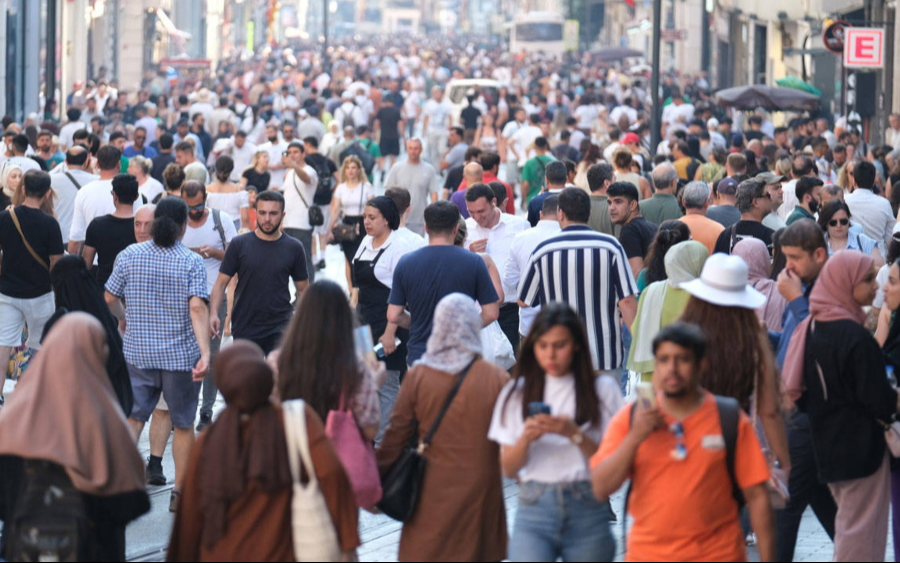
(372, 308)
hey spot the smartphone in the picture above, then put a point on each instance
(379, 349)
(646, 395)
(537, 408)
(362, 339)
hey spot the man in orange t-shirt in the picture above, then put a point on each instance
(674, 454)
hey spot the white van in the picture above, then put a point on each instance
(456, 90)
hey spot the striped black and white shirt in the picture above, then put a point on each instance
(589, 271)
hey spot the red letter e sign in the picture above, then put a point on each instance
(864, 48)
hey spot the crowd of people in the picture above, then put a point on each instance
(522, 266)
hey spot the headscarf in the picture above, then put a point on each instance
(4, 178)
(759, 266)
(388, 210)
(76, 290)
(684, 262)
(232, 458)
(455, 336)
(831, 300)
(64, 411)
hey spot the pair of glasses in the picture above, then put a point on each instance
(766, 195)
(843, 222)
(200, 207)
(679, 453)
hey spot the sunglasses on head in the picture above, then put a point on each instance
(843, 222)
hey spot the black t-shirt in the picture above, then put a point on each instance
(389, 117)
(469, 116)
(257, 180)
(160, 162)
(109, 236)
(754, 135)
(741, 230)
(21, 276)
(454, 178)
(636, 237)
(262, 305)
(322, 165)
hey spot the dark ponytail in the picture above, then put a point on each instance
(224, 168)
(669, 234)
(169, 221)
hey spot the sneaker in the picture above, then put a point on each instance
(205, 421)
(320, 265)
(174, 500)
(155, 475)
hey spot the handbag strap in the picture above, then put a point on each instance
(298, 440)
(434, 427)
(303, 199)
(12, 213)
(73, 180)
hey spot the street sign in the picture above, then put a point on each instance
(673, 34)
(864, 47)
(834, 34)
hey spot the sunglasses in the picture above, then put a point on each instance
(200, 207)
(679, 453)
(843, 222)
(766, 195)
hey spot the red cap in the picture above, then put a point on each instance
(631, 139)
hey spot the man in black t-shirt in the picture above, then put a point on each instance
(263, 260)
(390, 123)
(109, 235)
(637, 232)
(754, 203)
(26, 296)
(470, 115)
(164, 158)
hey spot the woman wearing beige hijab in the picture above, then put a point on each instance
(65, 419)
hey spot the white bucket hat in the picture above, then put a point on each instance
(724, 282)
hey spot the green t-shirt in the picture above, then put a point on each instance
(375, 151)
(534, 172)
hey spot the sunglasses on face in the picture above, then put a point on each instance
(843, 222)
(200, 207)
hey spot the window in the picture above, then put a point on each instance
(534, 32)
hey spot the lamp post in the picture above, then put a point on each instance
(656, 117)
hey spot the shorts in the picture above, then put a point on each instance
(389, 147)
(16, 314)
(513, 172)
(181, 392)
(322, 229)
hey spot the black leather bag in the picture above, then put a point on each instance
(316, 217)
(402, 484)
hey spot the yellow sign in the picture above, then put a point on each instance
(571, 32)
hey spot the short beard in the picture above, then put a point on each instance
(676, 394)
(274, 229)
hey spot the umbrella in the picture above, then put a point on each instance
(615, 53)
(768, 97)
(798, 84)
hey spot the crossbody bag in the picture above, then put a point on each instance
(28, 247)
(316, 217)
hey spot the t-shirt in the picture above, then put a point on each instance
(151, 189)
(421, 181)
(109, 235)
(262, 305)
(208, 235)
(553, 458)
(725, 215)
(257, 180)
(663, 487)
(470, 116)
(535, 173)
(424, 277)
(147, 152)
(160, 162)
(741, 230)
(297, 208)
(21, 276)
(456, 156)
(93, 200)
(636, 237)
(389, 117)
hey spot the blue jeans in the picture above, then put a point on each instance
(561, 520)
(626, 343)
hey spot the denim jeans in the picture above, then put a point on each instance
(626, 343)
(561, 520)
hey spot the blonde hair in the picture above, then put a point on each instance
(47, 205)
(255, 160)
(352, 159)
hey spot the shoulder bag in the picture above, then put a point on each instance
(316, 217)
(402, 484)
(313, 531)
(346, 233)
(15, 219)
(356, 455)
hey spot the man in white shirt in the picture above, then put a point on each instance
(17, 151)
(507, 141)
(892, 134)
(436, 125)
(286, 104)
(203, 105)
(242, 152)
(300, 183)
(148, 187)
(524, 138)
(678, 109)
(67, 130)
(147, 120)
(348, 113)
(219, 115)
(66, 186)
(310, 125)
(872, 212)
(185, 157)
(95, 199)
(208, 234)
(520, 252)
(801, 166)
(492, 232)
(276, 148)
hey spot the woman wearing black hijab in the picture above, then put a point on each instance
(76, 290)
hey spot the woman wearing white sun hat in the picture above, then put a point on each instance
(739, 362)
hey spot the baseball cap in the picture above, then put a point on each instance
(727, 186)
(770, 178)
(631, 139)
(712, 123)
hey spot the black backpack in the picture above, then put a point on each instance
(50, 521)
(326, 183)
(356, 149)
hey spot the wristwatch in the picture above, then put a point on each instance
(577, 438)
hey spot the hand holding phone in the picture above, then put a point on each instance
(537, 408)
(646, 395)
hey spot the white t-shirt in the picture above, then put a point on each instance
(67, 131)
(395, 247)
(523, 139)
(93, 200)
(66, 192)
(587, 115)
(208, 235)
(417, 241)
(553, 458)
(438, 114)
(275, 151)
(242, 157)
(150, 189)
(296, 211)
(352, 203)
(509, 131)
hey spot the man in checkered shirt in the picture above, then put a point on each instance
(167, 326)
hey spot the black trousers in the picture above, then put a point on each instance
(805, 488)
(509, 324)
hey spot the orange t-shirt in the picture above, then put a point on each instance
(684, 510)
(703, 230)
